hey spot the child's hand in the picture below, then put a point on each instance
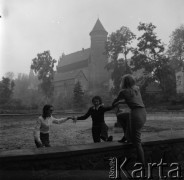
(115, 104)
(74, 119)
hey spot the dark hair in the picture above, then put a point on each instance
(97, 98)
(45, 111)
(128, 81)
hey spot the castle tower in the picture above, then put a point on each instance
(98, 75)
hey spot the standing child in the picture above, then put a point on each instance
(41, 132)
(130, 95)
(123, 116)
(99, 128)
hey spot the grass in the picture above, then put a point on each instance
(16, 132)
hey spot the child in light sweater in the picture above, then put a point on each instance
(41, 132)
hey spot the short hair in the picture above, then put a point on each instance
(128, 81)
(45, 110)
(97, 98)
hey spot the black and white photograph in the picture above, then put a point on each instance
(91, 89)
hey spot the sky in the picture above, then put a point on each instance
(29, 27)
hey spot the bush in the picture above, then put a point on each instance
(175, 107)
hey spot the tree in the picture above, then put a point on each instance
(10, 75)
(118, 68)
(43, 65)
(21, 86)
(78, 95)
(118, 47)
(149, 55)
(176, 48)
(25, 93)
(6, 90)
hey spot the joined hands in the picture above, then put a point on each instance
(74, 118)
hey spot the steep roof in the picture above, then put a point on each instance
(70, 75)
(83, 74)
(86, 73)
(98, 27)
(65, 76)
(74, 57)
(73, 66)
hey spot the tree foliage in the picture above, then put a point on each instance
(118, 47)
(24, 92)
(149, 55)
(43, 66)
(10, 75)
(149, 49)
(21, 86)
(78, 95)
(176, 48)
(119, 68)
(6, 90)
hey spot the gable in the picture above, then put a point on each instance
(64, 76)
(81, 75)
(73, 66)
(71, 75)
(74, 58)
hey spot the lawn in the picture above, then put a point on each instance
(16, 132)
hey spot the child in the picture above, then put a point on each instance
(41, 132)
(131, 95)
(123, 115)
(99, 128)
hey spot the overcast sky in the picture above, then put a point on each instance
(28, 27)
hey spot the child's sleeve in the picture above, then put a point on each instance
(59, 121)
(85, 116)
(37, 131)
(107, 108)
(120, 98)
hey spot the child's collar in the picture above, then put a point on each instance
(97, 107)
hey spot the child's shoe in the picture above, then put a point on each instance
(110, 138)
(123, 140)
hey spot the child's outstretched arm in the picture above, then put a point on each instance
(120, 98)
(74, 118)
(59, 121)
(107, 108)
(119, 102)
(84, 116)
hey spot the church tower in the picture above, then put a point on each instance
(98, 75)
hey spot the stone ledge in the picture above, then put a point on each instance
(77, 150)
(64, 175)
(58, 162)
(62, 151)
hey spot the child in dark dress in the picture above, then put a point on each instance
(99, 128)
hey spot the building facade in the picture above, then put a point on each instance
(86, 66)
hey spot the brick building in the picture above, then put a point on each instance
(86, 66)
